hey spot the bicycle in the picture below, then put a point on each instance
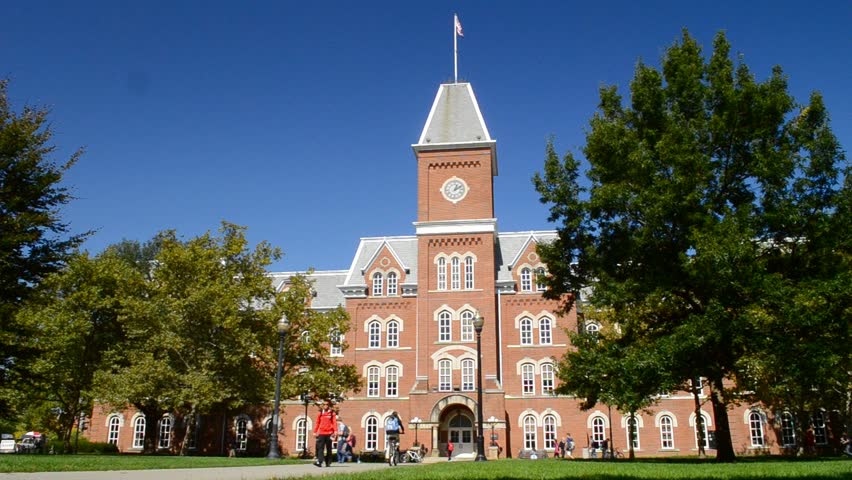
(393, 452)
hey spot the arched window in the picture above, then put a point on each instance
(468, 273)
(445, 332)
(114, 426)
(549, 432)
(788, 430)
(442, 273)
(545, 336)
(467, 326)
(598, 430)
(592, 328)
(165, 439)
(526, 280)
(195, 424)
(701, 434)
(445, 376)
(547, 378)
(139, 432)
(392, 381)
(455, 274)
(373, 381)
(301, 434)
(526, 331)
(242, 434)
(755, 427)
(819, 428)
(372, 440)
(528, 378)
(530, 440)
(335, 341)
(539, 279)
(632, 423)
(393, 334)
(375, 330)
(467, 368)
(392, 284)
(378, 284)
(666, 432)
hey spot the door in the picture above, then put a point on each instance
(461, 434)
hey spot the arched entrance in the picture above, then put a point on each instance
(460, 430)
(454, 418)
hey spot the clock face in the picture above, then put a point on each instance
(454, 189)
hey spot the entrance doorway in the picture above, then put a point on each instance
(460, 431)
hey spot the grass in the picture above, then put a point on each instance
(762, 468)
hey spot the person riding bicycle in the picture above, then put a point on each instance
(393, 427)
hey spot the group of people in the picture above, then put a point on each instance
(565, 448)
(329, 428)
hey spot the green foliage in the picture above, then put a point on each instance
(34, 240)
(714, 200)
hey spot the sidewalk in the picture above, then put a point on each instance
(226, 473)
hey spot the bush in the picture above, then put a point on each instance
(374, 456)
(83, 446)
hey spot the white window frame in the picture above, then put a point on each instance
(114, 429)
(445, 326)
(442, 273)
(378, 284)
(375, 334)
(372, 437)
(539, 276)
(528, 379)
(526, 280)
(526, 327)
(335, 343)
(468, 367)
(549, 429)
(393, 284)
(820, 433)
(547, 378)
(468, 273)
(373, 381)
(635, 422)
(467, 330)
(666, 433)
(393, 334)
(788, 430)
(530, 433)
(241, 435)
(165, 433)
(392, 381)
(445, 375)
(139, 432)
(301, 434)
(704, 422)
(545, 331)
(598, 430)
(455, 273)
(755, 428)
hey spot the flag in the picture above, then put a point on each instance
(458, 27)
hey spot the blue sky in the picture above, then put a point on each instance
(296, 119)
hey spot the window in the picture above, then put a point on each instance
(467, 326)
(139, 432)
(592, 328)
(666, 432)
(468, 273)
(301, 434)
(755, 428)
(378, 286)
(455, 274)
(539, 279)
(598, 430)
(372, 440)
(442, 273)
(819, 428)
(545, 336)
(529, 433)
(445, 376)
(393, 334)
(634, 436)
(392, 284)
(526, 331)
(526, 280)
(467, 368)
(335, 340)
(444, 327)
(114, 426)
(375, 332)
(547, 378)
(528, 378)
(373, 381)
(549, 432)
(392, 381)
(701, 434)
(788, 430)
(242, 434)
(165, 439)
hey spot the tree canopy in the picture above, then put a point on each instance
(712, 198)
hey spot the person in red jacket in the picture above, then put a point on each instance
(324, 428)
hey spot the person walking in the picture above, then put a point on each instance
(450, 450)
(569, 445)
(342, 436)
(324, 428)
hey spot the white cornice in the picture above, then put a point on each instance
(445, 227)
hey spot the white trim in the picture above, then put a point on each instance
(445, 227)
(422, 139)
(664, 413)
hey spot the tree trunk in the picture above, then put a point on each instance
(632, 432)
(699, 424)
(190, 430)
(724, 445)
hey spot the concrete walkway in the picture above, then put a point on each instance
(225, 473)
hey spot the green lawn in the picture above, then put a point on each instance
(688, 469)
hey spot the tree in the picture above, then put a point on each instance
(74, 320)
(705, 192)
(34, 240)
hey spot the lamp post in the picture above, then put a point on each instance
(493, 421)
(283, 328)
(478, 323)
(416, 421)
(306, 398)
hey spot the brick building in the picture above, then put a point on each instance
(412, 302)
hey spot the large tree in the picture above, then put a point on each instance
(34, 240)
(704, 194)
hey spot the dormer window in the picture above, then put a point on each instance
(526, 279)
(378, 284)
(392, 284)
(539, 279)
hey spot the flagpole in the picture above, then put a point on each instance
(456, 48)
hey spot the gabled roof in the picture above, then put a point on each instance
(511, 245)
(378, 251)
(324, 282)
(456, 122)
(403, 248)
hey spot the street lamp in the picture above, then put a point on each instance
(283, 328)
(416, 421)
(478, 323)
(306, 398)
(493, 421)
